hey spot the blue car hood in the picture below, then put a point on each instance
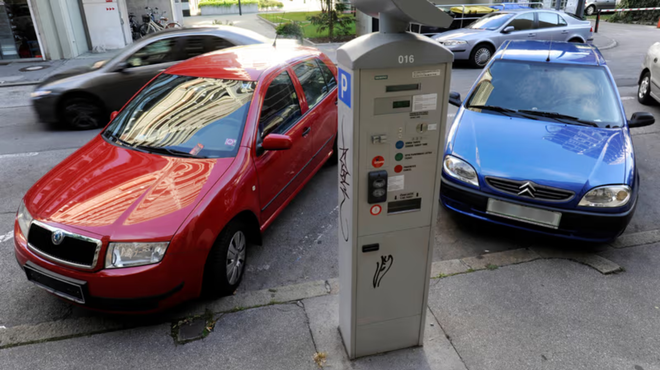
(570, 157)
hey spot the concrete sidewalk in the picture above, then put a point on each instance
(545, 313)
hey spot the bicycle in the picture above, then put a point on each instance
(135, 30)
(150, 24)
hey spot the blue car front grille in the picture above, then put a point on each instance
(530, 190)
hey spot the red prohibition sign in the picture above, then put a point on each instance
(378, 161)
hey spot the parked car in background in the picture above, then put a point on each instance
(649, 80)
(477, 42)
(592, 6)
(542, 144)
(82, 98)
(163, 204)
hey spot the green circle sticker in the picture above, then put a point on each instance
(398, 156)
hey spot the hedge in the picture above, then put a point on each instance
(226, 3)
(644, 16)
(270, 4)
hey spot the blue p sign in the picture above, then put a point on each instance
(345, 87)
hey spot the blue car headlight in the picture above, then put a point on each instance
(460, 170)
(606, 196)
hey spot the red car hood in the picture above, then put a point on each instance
(123, 194)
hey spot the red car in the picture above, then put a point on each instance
(162, 204)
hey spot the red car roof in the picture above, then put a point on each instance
(246, 63)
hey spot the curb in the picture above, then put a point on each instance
(28, 83)
(71, 328)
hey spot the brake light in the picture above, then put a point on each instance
(592, 29)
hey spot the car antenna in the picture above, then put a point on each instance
(275, 41)
(549, 49)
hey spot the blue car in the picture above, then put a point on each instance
(542, 143)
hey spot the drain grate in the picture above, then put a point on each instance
(33, 68)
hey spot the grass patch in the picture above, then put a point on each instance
(490, 266)
(309, 31)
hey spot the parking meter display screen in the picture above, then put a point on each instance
(401, 104)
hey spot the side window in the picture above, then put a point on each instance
(214, 43)
(280, 109)
(198, 45)
(548, 20)
(523, 22)
(161, 51)
(313, 83)
(327, 73)
(562, 21)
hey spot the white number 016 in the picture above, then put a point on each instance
(406, 59)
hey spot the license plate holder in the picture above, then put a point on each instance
(67, 288)
(530, 215)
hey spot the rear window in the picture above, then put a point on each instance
(192, 116)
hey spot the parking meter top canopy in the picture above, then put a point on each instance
(406, 11)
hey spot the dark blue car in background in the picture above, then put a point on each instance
(542, 143)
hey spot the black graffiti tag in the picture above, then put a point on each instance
(382, 268)
(344, 176)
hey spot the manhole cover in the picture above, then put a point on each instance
(33, 68)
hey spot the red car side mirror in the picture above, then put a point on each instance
(113, 115)
(276, 142)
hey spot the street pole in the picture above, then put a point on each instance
(240, 11)
(579, 11)
(557, 4)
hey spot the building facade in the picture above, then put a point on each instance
(62, 29)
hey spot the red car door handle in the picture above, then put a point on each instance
(306, 131)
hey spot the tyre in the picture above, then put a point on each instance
(225, 264)
(644, 90)
(480, 55)
(82, 113)
(591, 9)
(144, 29)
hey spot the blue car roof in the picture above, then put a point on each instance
(558, 52)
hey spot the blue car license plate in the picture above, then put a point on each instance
(526, 214)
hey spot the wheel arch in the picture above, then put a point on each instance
(250, 220)
(74, 94)
(577, 37)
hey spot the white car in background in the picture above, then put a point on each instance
(649, 80)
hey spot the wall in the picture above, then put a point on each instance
(59, 30)
(220, 10)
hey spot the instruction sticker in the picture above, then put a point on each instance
(433, 126)
(425, 102)
(428, 73)
(395, 183)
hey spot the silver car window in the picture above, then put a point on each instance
(548, 20)
(523, 22)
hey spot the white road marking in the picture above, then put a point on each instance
(30, 154)
(7, 236)
(627, 98)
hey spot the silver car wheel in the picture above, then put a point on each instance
(482, 56)
(590, 10)
(236, 257)
(644, 87)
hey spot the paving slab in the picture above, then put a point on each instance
(275, 337)
(493, 260)
(555, 314)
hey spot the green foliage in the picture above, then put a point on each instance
(644, 16)
(226, 3)
(270, 4)
(333, 19)
(289, 29)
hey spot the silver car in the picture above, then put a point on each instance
(649, 80)
(82, 98)
(477, 42)
(592, 6)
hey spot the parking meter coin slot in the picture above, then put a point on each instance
(377, 187)
(370, 248)
(400, 206)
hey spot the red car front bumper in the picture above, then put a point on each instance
(141, 289)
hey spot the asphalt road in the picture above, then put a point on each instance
(301, 244)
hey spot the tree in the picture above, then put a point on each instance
(644, 16)
(332, 17)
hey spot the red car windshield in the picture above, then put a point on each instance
(185, 116)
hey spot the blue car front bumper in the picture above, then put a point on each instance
(577, 225)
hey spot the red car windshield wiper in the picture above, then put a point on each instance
(174, 152)
(560, 117)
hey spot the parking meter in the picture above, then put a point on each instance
(393, 93)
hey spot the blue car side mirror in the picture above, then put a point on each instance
(641, 119)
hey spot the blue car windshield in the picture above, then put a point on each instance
(547, 90)
(491, 21)
(185, 116)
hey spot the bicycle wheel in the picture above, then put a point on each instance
(151, 28)
(144, 29)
